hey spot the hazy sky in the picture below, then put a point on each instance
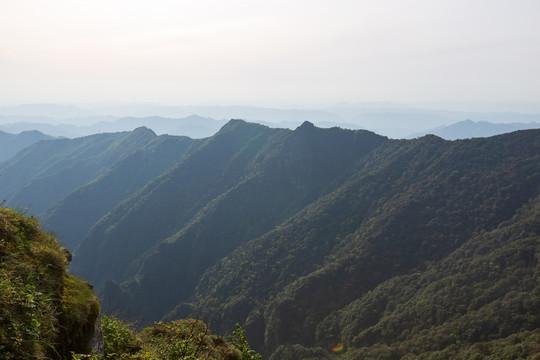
(269, 52)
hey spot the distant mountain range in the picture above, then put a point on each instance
(471, 129)
(387, 119)
(311, 238)
(192, 126)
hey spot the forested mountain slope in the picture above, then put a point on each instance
(46, 313)
(243, 182)
(313, 238)
(409, 203)
(11, 144)
(43, 174)
(301, 224)
(71, 221)
(487, 289)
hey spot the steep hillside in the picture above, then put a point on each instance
(243, 182)
(485, 290)
(70, 221)
(279, 229)
(316, 239)
(45, 313)
(11, 144)
(46, 172)
(161, 208)
(410, 202)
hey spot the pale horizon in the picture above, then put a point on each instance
(275, 54)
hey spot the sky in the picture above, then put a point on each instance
(269, 53)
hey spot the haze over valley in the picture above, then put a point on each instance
(392, 120)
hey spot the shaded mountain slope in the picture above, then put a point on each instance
(46, 172)
(485, 290)
(46, 313)
(71, 221)
(266, 179)
(11, 144)
(317, 237)
(290, 171)
(164, 206)
(411, 202)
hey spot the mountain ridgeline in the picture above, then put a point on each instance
(311, 238)
(11, 144)
(242, 183)
(43, 174)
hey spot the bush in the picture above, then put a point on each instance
(120, 340)
(239, 340)
(44, 312)
(188, 339)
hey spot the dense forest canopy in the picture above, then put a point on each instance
(313, 239)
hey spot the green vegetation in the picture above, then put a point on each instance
(44, 312)
(410, 206)
(188, 339)
(11, 144)
(119, 338)
(467, 303)
(43, 174)
(114, 185)
(239, 340)
(240, 184)
(322, 243)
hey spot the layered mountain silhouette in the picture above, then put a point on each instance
(44, 173)
(471, 129)
(11, 144)
(114, 185)
(193, 126)
(311, 238)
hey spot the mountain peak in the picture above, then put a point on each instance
(235, 124)
(306, 125)
(144, 130)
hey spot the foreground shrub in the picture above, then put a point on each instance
(188, 339)
(44, 312)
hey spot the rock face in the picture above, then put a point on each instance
(97, 343)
